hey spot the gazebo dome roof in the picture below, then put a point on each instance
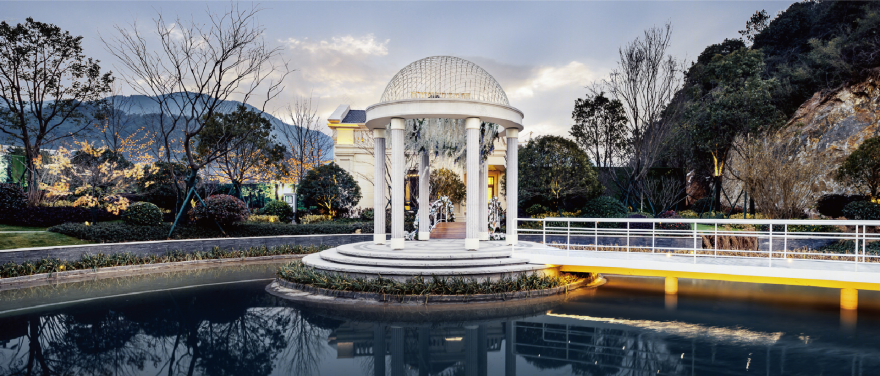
(445, 77)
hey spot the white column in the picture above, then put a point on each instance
(397, 185)
(424, 197)
(512, 183)
(472, 237)
(484, 200)
(379, 187)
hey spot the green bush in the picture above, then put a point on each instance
(536, 209)
(143, 214)
(315, 218)
(263, 218)
(703, 205)
(224, 209)
(280, 209)
(330, 189)
(94, 261)
(121, 232)
(604, 207)
(863, 210)
(12, 201)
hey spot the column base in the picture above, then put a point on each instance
(671, 285)
(512, 239)
(396, 243)
(379, 238)
(424, 235)
(472, 244)
(484, 235)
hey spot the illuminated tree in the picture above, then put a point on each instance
(330, 188)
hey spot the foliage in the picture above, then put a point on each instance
(556, 174)
(672, 225)
(46, 86)
(96, 176)
(143, 214)
(861, 169)
(536, 209)
(31, 238)
(705, 204)
(367, 214)
(12, 200)
(297, 272)
(121, 232)
(261, 218)
(224, 209)
(748, 216)
(280, 209)
(162, 184)
(445, 182)
(831, 205)
(862, 210)
(847, 246)
(100, 260)
(330, 188)
(315, 218)
(600, 128)
(41, 216)
(604, 207)
(637, 226)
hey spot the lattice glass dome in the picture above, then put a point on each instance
(444, 77)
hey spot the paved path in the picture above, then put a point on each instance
(802, 272)
(449, 230)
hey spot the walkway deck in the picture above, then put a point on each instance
(862, 276)
(449, 230)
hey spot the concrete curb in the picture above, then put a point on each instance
(116, 271)
(304, 293)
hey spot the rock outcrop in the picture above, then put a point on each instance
(836, 123)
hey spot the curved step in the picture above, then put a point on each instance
(333, 255)
(421, 255)
(315, 261)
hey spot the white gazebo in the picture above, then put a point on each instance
(443, 87)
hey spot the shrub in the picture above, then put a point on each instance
(671, 214)
(12, 201)
(604, 207)
(329, 188)
(831, 205)
(703, 205)
(861, 169)
(863, 210)
(536, 209)
(39, 216)
(367, 215)
(143, 214)
(264, 219)
(280, 209)
(748, 216)
(557, 174)
(315, 218)
(121, 232)
(224, 209)
(638, 226)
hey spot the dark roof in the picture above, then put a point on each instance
(355, 117)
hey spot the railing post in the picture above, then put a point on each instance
(785, 242)
(716, 240)
(627, 236)
(544, 230)
(857, 244)
(568, 241)
(653, 236)
(695, 243)
(771, 242)
(596, 235)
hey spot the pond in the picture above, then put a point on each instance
(220, 321)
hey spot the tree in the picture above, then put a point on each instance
(645, 80)
(192, 75)
(556, 174)
(861, 169)
(599, 128)
(248, 137)
(755, 25)
(445, 182)
(305, 137)
(330, 188)
(118, 129)
(45, 83)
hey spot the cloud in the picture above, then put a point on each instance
(551, 78)
(346, 45)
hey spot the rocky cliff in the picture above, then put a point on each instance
(836, 123)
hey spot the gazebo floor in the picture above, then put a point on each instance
(449, 230)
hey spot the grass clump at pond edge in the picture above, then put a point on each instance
(100, 260)
(297, 272)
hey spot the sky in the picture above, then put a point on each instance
(543, 53)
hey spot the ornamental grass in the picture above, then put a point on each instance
(100, 260)
(297, 272)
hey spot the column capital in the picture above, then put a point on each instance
(512, 132)
(472, 123)
(379, 133)
(398, 123)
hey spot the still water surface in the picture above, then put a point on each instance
(220, 321)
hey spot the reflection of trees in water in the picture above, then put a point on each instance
(305, 338)
(595, 351)
(185, 337)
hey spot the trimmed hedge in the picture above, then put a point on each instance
(121, 232)
(863, 210)
(40, 216)
(143, 214)
(94, 261)
(224, 209)
(12, 200)
(604, 207)
(280, 209)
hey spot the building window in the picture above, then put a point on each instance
(491, 187)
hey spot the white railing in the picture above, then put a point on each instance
(751, 238)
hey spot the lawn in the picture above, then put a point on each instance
(21, 228)
(36, 239)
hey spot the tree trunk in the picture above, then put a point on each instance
(33, 193)
(717, 200)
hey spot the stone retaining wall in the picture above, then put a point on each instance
(74, 252)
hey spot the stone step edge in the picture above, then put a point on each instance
(390, 255)
(475, 272)
(443, 263)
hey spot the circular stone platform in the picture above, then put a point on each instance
(441, 258)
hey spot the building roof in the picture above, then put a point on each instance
(355, 117)
(444, 77)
